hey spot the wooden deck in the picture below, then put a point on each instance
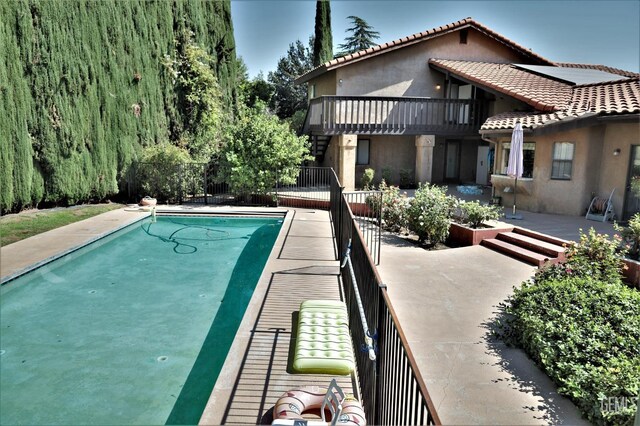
(303, 266)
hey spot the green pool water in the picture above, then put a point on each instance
(133, 328)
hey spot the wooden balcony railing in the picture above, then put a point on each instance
(330, 115)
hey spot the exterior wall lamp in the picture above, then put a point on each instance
(438, 87)
(616, 152)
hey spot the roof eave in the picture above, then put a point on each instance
(540, 106)
(310, 75)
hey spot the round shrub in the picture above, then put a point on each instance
(631, 235)
(585, 334)
(596, 255)
(367, 178)
(430, 213)
(160, 171)
(394, 208)
(475, 214)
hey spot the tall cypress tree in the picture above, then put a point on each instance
(83, 89)
(323, 43)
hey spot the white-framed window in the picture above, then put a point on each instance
(562, 164)
(528, 157)
(312, 91)
(362, 152)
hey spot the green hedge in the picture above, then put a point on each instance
(585, 334)
(83, 88)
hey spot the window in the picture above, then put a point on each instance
(312, 91)
(562, 160)
(463, 36)
(362, 152)
(528, 155)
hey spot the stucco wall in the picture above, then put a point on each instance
(395, 152)
(614, 169)
(595, 170)
(325, 84)
(406, 72)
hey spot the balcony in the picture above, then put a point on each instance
(375, 115)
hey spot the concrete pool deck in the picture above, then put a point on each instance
(445, 301)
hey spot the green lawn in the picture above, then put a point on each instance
(24, 225)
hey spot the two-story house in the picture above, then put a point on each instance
(439, 106)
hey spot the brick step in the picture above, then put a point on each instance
(521, 253)
(534, 244)
(539, 236)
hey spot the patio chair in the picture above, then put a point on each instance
(601, 209)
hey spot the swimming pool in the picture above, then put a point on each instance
(133, 328)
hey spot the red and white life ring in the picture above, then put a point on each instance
(293, 404)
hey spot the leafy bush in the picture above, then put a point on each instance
(631, 236)
(158, 171)
(367, 178)
(406, 178)
(394, 207)
(585, 334)
(595, 255)
(259, 151)
(635, 185)
(199, 98)
(430, 213)
(386, 174)
(475, 213)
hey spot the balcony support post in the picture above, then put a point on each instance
(424, 157)
(347, 160)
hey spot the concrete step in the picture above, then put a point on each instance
(534, 244)
(539, 236)
(521, 253)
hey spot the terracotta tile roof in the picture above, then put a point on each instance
(539, 92)
(604, 68)
(416, 38)
(529, 120)
(617, 97)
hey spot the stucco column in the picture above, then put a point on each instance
(347, 161)
(424, 157)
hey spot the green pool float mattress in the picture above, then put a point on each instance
(323, 345)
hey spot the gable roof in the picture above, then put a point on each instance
(541, 93)
(609, 98)
(417, 38)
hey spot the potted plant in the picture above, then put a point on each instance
(635, 185)
(631, 238)
(471, 227)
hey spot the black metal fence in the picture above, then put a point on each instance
(391, 387)
(201, 183)
(366, 208)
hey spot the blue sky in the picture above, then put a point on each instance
(597, 32)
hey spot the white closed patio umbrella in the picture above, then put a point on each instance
(515, 167)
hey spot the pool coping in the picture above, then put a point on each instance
(38, 261)
(220, 395)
